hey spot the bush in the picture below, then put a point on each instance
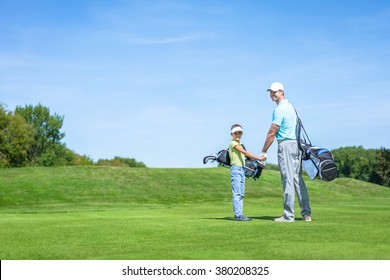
(120, 162)
(81, 160)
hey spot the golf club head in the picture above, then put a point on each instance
(208, 158)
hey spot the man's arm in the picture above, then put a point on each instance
(270, 137)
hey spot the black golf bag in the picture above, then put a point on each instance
(324, 161)
(253, 168)
(316, 161)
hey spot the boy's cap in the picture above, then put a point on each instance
(237, 128)
(276, 86)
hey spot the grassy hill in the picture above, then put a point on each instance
(124, 213)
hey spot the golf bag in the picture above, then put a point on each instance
(324, 162)
(253, 168)
(315, 161)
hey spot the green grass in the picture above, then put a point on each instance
(123, 213)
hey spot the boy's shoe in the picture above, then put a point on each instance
(283, 220)
(242, 218)
(306, 218)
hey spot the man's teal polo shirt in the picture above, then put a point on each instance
(284, 116)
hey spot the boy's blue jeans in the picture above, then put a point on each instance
(237, 178)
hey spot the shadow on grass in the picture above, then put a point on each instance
(264, 218)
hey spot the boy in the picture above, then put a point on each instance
(237, 171)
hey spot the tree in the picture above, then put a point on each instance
(16, 139)
(381, 174)
(370, 165)
(47, 134)
(32, 136)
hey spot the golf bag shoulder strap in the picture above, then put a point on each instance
(303, 139)
(301, 132)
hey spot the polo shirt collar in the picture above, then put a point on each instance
(283, 101)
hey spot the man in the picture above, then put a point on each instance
(283, 128)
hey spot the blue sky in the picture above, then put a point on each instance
(163, 81)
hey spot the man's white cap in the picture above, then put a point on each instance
(276, 86)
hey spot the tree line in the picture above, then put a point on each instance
(31, 136)
(370, 165)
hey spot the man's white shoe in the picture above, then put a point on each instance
(307, 218)
(283, 220)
